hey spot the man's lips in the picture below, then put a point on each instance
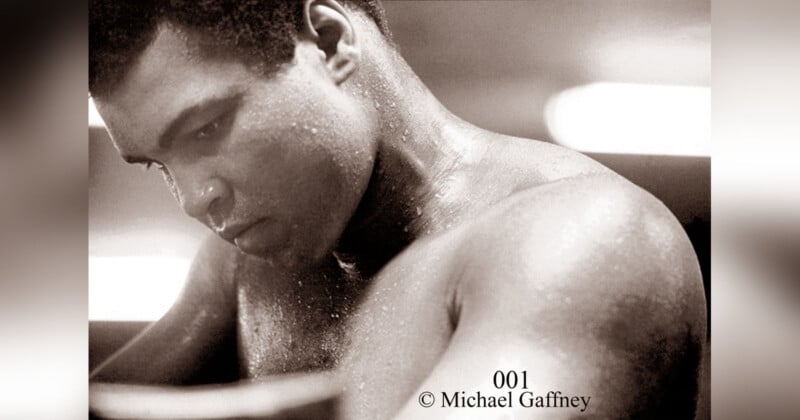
(262, 238)
(230, 233)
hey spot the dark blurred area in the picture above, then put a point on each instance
(43, 178)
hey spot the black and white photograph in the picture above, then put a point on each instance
(364, 209)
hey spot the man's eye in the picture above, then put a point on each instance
(208, 130)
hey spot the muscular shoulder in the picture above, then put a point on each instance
(593, 247)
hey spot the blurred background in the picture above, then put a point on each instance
(43, 178)
(627, 82)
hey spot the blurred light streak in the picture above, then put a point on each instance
(95, 120)
(134, 288)
(608, 117)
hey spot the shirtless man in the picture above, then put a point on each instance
(361, 228)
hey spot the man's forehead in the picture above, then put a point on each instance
(169, 76)
(170, 48)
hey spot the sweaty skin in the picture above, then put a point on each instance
(365, 230)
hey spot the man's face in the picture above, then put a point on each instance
(276, 165)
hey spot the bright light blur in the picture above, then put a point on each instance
(95, 120)
(632, 118)
(134, 288)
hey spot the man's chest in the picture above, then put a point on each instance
(385, 341)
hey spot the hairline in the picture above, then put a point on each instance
(266, 68)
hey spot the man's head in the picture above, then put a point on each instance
(261, 32)
(274, 153)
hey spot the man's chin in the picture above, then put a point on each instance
(285, 258)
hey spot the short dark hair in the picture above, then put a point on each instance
(258, 31)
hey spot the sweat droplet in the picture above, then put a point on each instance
(313, 131)
(419, 211)
(391, 104)
(377, 105)
(403, 138)
(405, 133)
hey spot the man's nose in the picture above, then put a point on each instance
(204, 200)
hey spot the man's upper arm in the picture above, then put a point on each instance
(594, 293)
(173, 348)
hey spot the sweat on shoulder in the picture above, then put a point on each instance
(361, 229)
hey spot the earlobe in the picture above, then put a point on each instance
(326, 23)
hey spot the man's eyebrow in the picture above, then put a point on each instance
(168, 135)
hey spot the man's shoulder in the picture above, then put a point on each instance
(582, 237)
(591, 281)
(587, 213)
(600, 206)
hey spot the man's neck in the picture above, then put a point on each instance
(423, 154)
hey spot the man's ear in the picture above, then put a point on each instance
(326, 23)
